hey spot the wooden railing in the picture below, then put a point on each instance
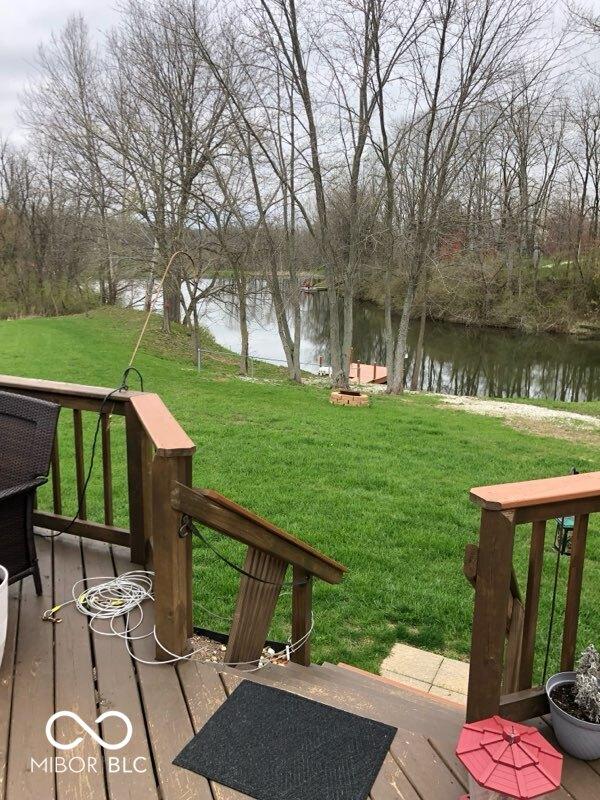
(501, 673)
(270, 552)
(158, 454)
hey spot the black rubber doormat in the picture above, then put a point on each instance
(274, 745)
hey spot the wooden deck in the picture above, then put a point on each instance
(49, 667)
(367, 373)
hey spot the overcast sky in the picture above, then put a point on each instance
(23, 25)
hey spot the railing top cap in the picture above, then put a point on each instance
(505, 496)
(37, 385)
(166, 434)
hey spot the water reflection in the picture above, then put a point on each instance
(456, 359)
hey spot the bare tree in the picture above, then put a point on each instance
(62, 114)
(476, 47)
(164, 118)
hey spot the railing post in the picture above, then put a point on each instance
(137, 477)
(107, 470)
(569, 644)
(56, 486)
(79, 464)
(492, 587)
(172, 558)
(532, 602)
(255, 606)
(301, 614)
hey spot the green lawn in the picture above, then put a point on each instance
(383, 489)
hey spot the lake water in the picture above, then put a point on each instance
(456, 360)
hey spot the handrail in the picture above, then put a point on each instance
(270, 552)
(501, 680)
(159, 452)
(526, 494)
(223, 515)
(165, 433)
(64, 393)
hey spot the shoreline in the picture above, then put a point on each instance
(582, 330)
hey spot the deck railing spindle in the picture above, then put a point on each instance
(79, 464)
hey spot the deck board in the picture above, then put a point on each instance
(118, 689)
(205, 693)
(426, 771)
(168, 704)
(33, 690)
(167, 718)
(74, 688)
(6, 680)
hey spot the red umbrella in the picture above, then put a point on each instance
(511, 759)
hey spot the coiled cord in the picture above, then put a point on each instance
(122, 597)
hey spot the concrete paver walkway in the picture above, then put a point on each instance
(430, 672)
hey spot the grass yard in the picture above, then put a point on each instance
(383, 489)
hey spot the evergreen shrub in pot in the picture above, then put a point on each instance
(575, 706)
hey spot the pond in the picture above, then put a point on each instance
(457, 359)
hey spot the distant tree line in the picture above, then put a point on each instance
(433, 155)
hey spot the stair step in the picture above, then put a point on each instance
(403, 709)
(386, 687)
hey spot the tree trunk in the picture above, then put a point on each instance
(111, 294)
(297, 373)
(388, 327)
(396, 381)
(416, 372)
(172, 298)
(347, 339)
(334, 327)
(243, 315)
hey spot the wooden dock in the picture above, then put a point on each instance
(367, 373)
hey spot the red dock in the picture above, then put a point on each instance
(368, 373)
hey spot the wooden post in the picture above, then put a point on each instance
(171, 557)
(187, 467)
(301, 614)
(569, 644)
(146, 499)
(532, 601)
(514, 644)
(107, 470)
(137, 452)
(492, 587)
(56, 487)
(79, 463)
(255, 606)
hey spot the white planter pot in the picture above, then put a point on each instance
(578, 738)
(3, 609)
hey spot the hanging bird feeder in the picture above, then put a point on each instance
(563, 538)
(508, 761)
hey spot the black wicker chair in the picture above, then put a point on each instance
(27, 429)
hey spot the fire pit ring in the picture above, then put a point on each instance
(347, 397)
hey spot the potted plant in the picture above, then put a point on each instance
(3, 608)
(574, 699)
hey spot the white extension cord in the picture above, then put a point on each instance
(120, 597)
